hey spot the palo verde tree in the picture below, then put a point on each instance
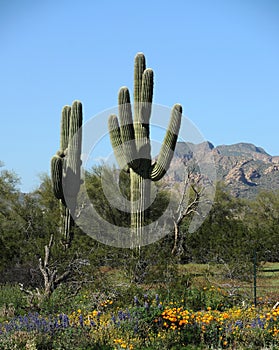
(10, 220)
(65, 167)
(130, 139)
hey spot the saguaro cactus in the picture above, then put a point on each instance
(130, 139)
(65, 167)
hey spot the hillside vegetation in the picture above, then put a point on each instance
(196, 296)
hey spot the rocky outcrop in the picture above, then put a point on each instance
(244, 168)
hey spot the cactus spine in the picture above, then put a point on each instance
(130, 139)
(65, 167)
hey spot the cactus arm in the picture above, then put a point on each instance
(146, 96)
(127, 128)
(125, 115)
(75, 137)
(143, 93)
(116, 142)
(64, 130)
(139, 68)
(141, 125)
(74, 148)
(56, 176)
(72, 181)
(160, 167)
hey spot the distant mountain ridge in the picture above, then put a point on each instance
(240, 148)
(244, 168)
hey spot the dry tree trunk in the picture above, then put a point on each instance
(51, 280)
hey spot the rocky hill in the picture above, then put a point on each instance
(244, 168)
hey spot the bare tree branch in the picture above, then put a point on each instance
(51, 280)
(183, 211)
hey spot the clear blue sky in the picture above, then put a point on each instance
(218, 58)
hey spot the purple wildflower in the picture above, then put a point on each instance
(81, 320)
(146, 305)
(157, 298)
(136, 301)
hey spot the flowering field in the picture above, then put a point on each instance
(147, 322)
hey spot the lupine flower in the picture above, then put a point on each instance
(136, 301)
(146, 305)
(65, 321)
(239, 324)
(157, 298)
(136, 328)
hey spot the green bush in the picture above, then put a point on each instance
(12, 301)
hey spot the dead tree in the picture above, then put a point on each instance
(51, 279)
(184, 211)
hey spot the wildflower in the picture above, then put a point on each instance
(136, 301)
(81, 320)
(65, 321)
(239, 324)
(146, 305)
(136, 328)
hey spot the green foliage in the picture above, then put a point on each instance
(211, 297)
(145, 321)
(12, 302)
(146, 265)
(94, 190)
(10, 221)
(23, 227)
(223, 237)
(262, 218)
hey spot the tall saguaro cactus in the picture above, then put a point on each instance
(130, 139)
(65, 167)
